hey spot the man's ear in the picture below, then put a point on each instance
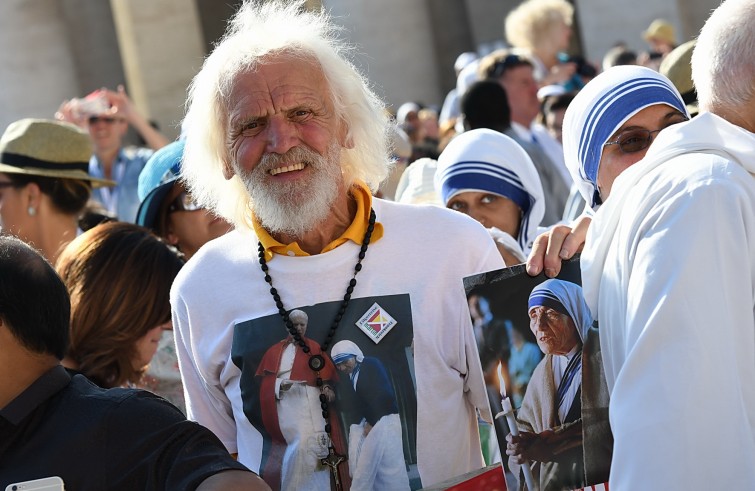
(228, 171)
(344, 138)
(172, 239)
(170, 236)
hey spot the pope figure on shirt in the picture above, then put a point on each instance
(291, 413)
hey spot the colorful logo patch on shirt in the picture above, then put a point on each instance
(376, 323)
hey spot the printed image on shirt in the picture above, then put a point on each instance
(540, 352)
(362, 387)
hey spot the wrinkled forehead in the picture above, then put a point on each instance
(276, 67)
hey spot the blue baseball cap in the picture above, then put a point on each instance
(156, 180)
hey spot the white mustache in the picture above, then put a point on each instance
(293, 156)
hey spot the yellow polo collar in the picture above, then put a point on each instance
(355, 232)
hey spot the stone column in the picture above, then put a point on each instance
(38, 64)
(604, 23)
(452, 35)
(396, 47)
(94, 45)
(161, 47)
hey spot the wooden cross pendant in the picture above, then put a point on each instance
(332, 461)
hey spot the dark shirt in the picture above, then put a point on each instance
(374, 391)
(96, 439)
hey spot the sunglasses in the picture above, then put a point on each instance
(500, 66)
(184, 202)
(637, 140)
(104, 119)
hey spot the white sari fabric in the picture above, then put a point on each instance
(669, 272)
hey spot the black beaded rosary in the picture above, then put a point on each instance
(317, 362)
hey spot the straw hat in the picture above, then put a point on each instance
(677, 67)
(41, 147)
(660, 30)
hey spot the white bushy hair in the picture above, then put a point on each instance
(723, 69)
(259, 30)
(530, 24)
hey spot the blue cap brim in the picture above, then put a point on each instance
(150, 207)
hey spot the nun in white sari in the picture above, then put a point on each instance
(669, 271)
(488, 176)
(599, 121)
(608, 127)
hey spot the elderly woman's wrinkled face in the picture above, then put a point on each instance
(347, 366)
(630, 142)
(489, 209)
(555, 332)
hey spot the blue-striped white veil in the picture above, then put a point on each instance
(484, 160)
(601, 108)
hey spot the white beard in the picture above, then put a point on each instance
(294, 208)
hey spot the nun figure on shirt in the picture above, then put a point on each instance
(488, 176)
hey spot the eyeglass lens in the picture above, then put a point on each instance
(185, 202)
(635, 140)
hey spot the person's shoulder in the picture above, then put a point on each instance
(427, 217)
(436, 234)
(137, 154)
(702, 172)
(85, 388)
(123, 405)
(137, 426)
(371, 361)
(231, 242)
(216, 258)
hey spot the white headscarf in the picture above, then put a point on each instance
(600, 108)
(565, 297)
(484, 160)
(416, 185)
(404, 110)
(343, 350)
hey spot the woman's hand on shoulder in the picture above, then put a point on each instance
(556, 245)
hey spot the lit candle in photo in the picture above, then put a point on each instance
(508, 412)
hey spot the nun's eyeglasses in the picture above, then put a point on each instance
(634, 140)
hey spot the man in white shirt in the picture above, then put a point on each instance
(285, 139)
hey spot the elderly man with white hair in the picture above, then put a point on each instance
(286, 141)
(376, 453)
(669, 272)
